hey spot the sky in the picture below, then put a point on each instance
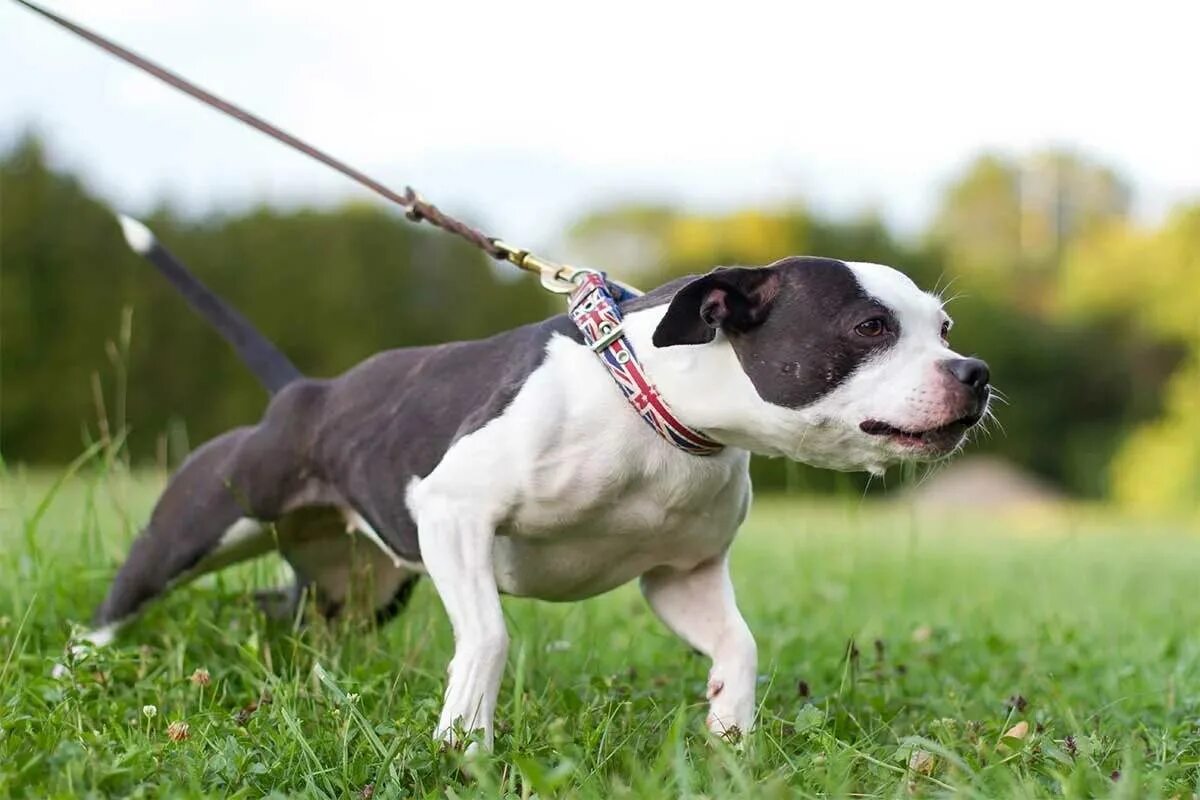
(525, 115)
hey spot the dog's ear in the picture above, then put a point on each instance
(733, 299)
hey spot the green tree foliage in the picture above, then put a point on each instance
(1148, 281)
(1070, 400)
(1004, 223)
(1083, 366)
(330, 287)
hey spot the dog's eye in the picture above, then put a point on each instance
(945, 330)
(871, 328)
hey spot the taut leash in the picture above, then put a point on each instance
(593, 304)
(556, 277)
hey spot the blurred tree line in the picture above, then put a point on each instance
(1023, 250)
(1085, 318)
(330, 287)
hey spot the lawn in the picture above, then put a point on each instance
(896, 653)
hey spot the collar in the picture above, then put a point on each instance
(594, 310)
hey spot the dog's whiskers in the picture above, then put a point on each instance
(989, 417)
(867, 487)
(927, 471)
(947, 301)
(939, 290)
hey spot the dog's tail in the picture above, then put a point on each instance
(264, 359)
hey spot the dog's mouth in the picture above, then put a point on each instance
(940, 439)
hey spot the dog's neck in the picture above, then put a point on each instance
(706, 386)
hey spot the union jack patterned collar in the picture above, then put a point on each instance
(596, 314)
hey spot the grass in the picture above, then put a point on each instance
(895, 655)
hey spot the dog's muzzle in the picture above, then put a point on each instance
(971, 382)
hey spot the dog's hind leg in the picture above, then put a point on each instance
(282, 604)
(210, 515)
(347, 572)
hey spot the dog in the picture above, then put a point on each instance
(513, 465)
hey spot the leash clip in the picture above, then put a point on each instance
(554, 277)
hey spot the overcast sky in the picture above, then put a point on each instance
(526, 114)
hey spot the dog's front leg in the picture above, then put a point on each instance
(457, 551)
(699, 606)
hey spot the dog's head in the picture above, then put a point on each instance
(842, 365)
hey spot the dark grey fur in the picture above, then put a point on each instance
(792, 324)
(352, 441)
(357, 440)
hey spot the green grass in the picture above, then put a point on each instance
(879, 634)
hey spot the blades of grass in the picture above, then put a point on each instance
(356, 715)
(870, 759)
(31, 524)
(940, 750)
(677, 748)
(17, 638)
(518, 695)
(317, 768)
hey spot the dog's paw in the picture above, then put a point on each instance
(472, 743)
(84, 643)
(727, 731)
(731, 736)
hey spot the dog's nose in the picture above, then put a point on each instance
(971, 372)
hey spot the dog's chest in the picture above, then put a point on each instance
(585, 496)
(590, 533)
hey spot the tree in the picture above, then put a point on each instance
(330, 286)
(1005, 222)
(1150, 280)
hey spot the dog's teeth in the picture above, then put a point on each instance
(138, 236)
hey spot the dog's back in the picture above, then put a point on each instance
(321, 444)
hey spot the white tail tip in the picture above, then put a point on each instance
(138, 235)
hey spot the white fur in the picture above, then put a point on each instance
(137, 235)
(568, 493)
(459, 560)
(356, 523)
(102, 636)
(699, 606)
(245, 538)
(707, 388)
(243, 534)
(905, 386)
(337, 560)
(99, 637)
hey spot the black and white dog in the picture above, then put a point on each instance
(515, 465)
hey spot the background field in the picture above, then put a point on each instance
(999, 156)
(881, 633)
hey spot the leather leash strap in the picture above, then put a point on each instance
(592, 306)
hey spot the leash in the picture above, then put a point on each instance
(555, 277)
(594, 298)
